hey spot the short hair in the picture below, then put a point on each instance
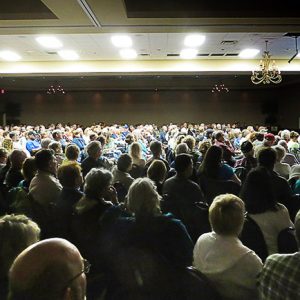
(93, 147)
(157, 170)
(45, 143)
(55, 145)
(96, 181)
(280, 152)
(181, 148)
(182, 162)
(17, 157)
(266, 157)
(219, 134)
(67, 174)
(29, 168)
(72, 152)
(294, 134)
(142, 198)
(124, 162)
(17, 232)
(43, 158)
(226, 215)
(155, 147)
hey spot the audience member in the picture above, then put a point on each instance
(157, 172)
(222, 257)
(281, 168)
(52, 269)
(121, 171)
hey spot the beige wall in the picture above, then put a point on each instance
(149, 106)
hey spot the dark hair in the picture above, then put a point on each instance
(72, 152)
(182, 162)
(42, 159)
(124, 162)
(155, 147)
(257, 191)
(29, 168)
(211, 162)
(68, 174)
(266, 158)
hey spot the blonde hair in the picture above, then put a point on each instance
(135, 150)
(142, 197)
(226, 215)
(17, 232)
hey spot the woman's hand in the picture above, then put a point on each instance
(111, 195)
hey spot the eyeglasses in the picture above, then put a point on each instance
(85, 270)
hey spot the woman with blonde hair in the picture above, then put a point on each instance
(135, 151)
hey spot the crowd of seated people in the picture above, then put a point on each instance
(171, 212)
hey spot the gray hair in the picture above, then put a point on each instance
(45, 143)
(142, 197)
(280, 152)
(181, 148)
(96, 181)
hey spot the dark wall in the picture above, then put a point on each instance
(160, 107)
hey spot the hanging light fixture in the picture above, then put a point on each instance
(55, 89)
(268, 72)
(219, 88)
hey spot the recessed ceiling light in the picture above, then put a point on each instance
(68, 54)
(121, 41)
(248, 53)
(49, 42)
(188, 53)
(128, 53)
(194, 40)
(9, 55)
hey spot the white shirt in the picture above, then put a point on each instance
(231, 267)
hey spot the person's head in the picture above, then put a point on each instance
(156, 148)
(181, 148)
(57, 135)
(135, 150)
(211, 162)
(297, 227)
(257, 191)
(284, 144)
(204, 146)
(266, 158)
(29, 168)
(52, 269)
(97, 181)
(190, 141)
(56, 147)
(72, 152)
(124, 163)
(219, 136)
(45, 143)
(280, 153)
(94, 149)
(3, 155)
(269, 139)
(70, 176)
(46, 161)
(285, 135)
(226, 215)
(142, 198)
(17, 158)
(247, 148)
(31, 135)
(157, 171)
(184, 165)
(294, 136)
(17, 232)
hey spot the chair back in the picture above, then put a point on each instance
(252, 237)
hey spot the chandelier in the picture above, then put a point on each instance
(268, 72)
(219, 88)
(55, 89)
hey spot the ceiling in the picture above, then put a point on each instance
(157, 29)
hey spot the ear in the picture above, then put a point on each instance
(68, 294)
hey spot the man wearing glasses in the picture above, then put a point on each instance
(50, 269)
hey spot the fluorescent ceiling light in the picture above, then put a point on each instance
(194, 40)
(248, 53)
(68, 54)
(9, 55)
(121, 41)
(188, 53)
(128, 53)
(49, 42)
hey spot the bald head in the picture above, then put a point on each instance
(47, 266)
